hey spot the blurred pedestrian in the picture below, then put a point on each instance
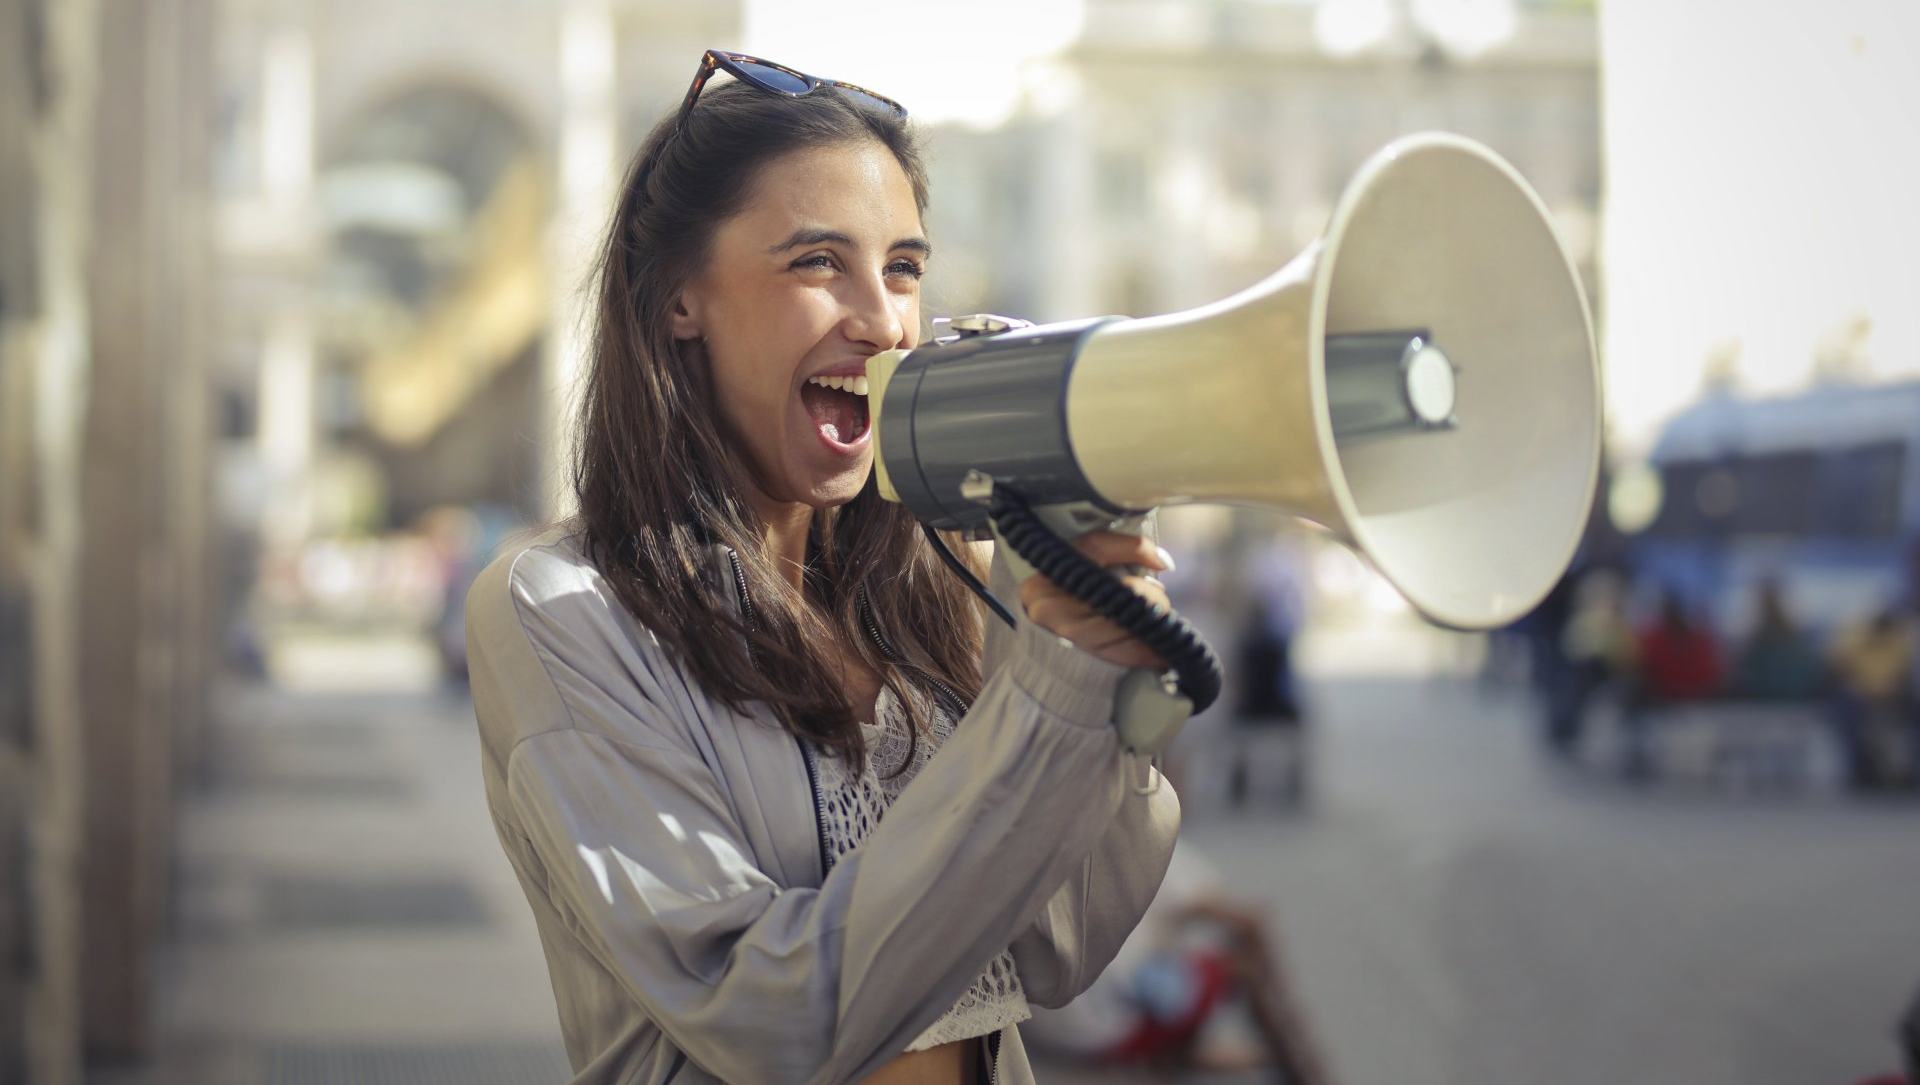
(1197, 954)
(1908, 1033)
(1546, 629)
(1910, 1038)
(453, 534)
(1677, 660)
(1679, 657)
(1777, 660)
(1599, 649)
(1872, 708)
(1266, 700)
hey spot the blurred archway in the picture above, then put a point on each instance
(432, 303)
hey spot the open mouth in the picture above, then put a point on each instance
(838, 407)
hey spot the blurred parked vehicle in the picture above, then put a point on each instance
(1818, 492)
(1787, 526)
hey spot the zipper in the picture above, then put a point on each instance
(993, 1057)
(955, 703)
(746, 603)
(806, 751)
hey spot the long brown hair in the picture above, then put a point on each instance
(655, 473)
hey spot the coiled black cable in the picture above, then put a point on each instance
(1171, 637)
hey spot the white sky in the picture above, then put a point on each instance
(1763, 184)
(1763, 164)
(944, 60)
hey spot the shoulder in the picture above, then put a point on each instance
(536, 569)
(550, 647)
(547, 587)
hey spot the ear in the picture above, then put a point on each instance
(686, 317)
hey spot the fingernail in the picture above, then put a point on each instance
(1166, 559)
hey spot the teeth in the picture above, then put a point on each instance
(856, 385)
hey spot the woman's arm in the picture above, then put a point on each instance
(643, 856)
(1076, 936)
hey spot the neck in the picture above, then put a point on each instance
(784, 536)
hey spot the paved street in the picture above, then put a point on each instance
(1457, 911)
(1454, 910)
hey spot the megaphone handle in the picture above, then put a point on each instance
(1147, 711)
(1072, 520)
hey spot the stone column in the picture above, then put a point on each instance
(49, 65)
(287, 350)
(20, 289)
(142, 495)
(119, 481)
(587, 165)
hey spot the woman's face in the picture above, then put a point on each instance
(818, 272)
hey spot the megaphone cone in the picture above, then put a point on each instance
(1421, 382)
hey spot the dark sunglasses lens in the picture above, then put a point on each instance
(869, 101)
(773, 78)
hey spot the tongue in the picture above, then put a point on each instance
(840, 416)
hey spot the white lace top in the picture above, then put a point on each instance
(855, 804)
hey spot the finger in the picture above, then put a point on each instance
(1035, 588)
(1056, 610)
(1149, 589)
(1059, 612)
(1108, 548)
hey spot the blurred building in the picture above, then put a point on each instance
(269, 269)
(408, 200)
(104, 505)
(1179, 152)
(279, 270)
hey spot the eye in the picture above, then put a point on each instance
(904, 268)
(818, 261)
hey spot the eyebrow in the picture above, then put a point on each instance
(805, 236)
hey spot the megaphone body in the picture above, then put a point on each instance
(1421, 382)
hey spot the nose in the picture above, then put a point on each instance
(874, 315)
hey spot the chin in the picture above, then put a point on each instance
(832, 497)
(841, 488)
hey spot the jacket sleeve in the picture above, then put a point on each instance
(645, 860)
(1083, 925)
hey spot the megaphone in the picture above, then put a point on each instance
(1421, 382)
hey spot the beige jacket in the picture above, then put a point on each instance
(670, 848)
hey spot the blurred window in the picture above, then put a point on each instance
(1774, 494)
(1851, 493)
(1681, 516)
(1859, 492)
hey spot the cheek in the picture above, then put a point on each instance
(750, 392)
(909, 313)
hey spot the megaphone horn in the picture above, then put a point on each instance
(1421, 382)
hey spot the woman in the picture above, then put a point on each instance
(698, 699)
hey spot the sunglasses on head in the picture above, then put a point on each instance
(775, 79)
